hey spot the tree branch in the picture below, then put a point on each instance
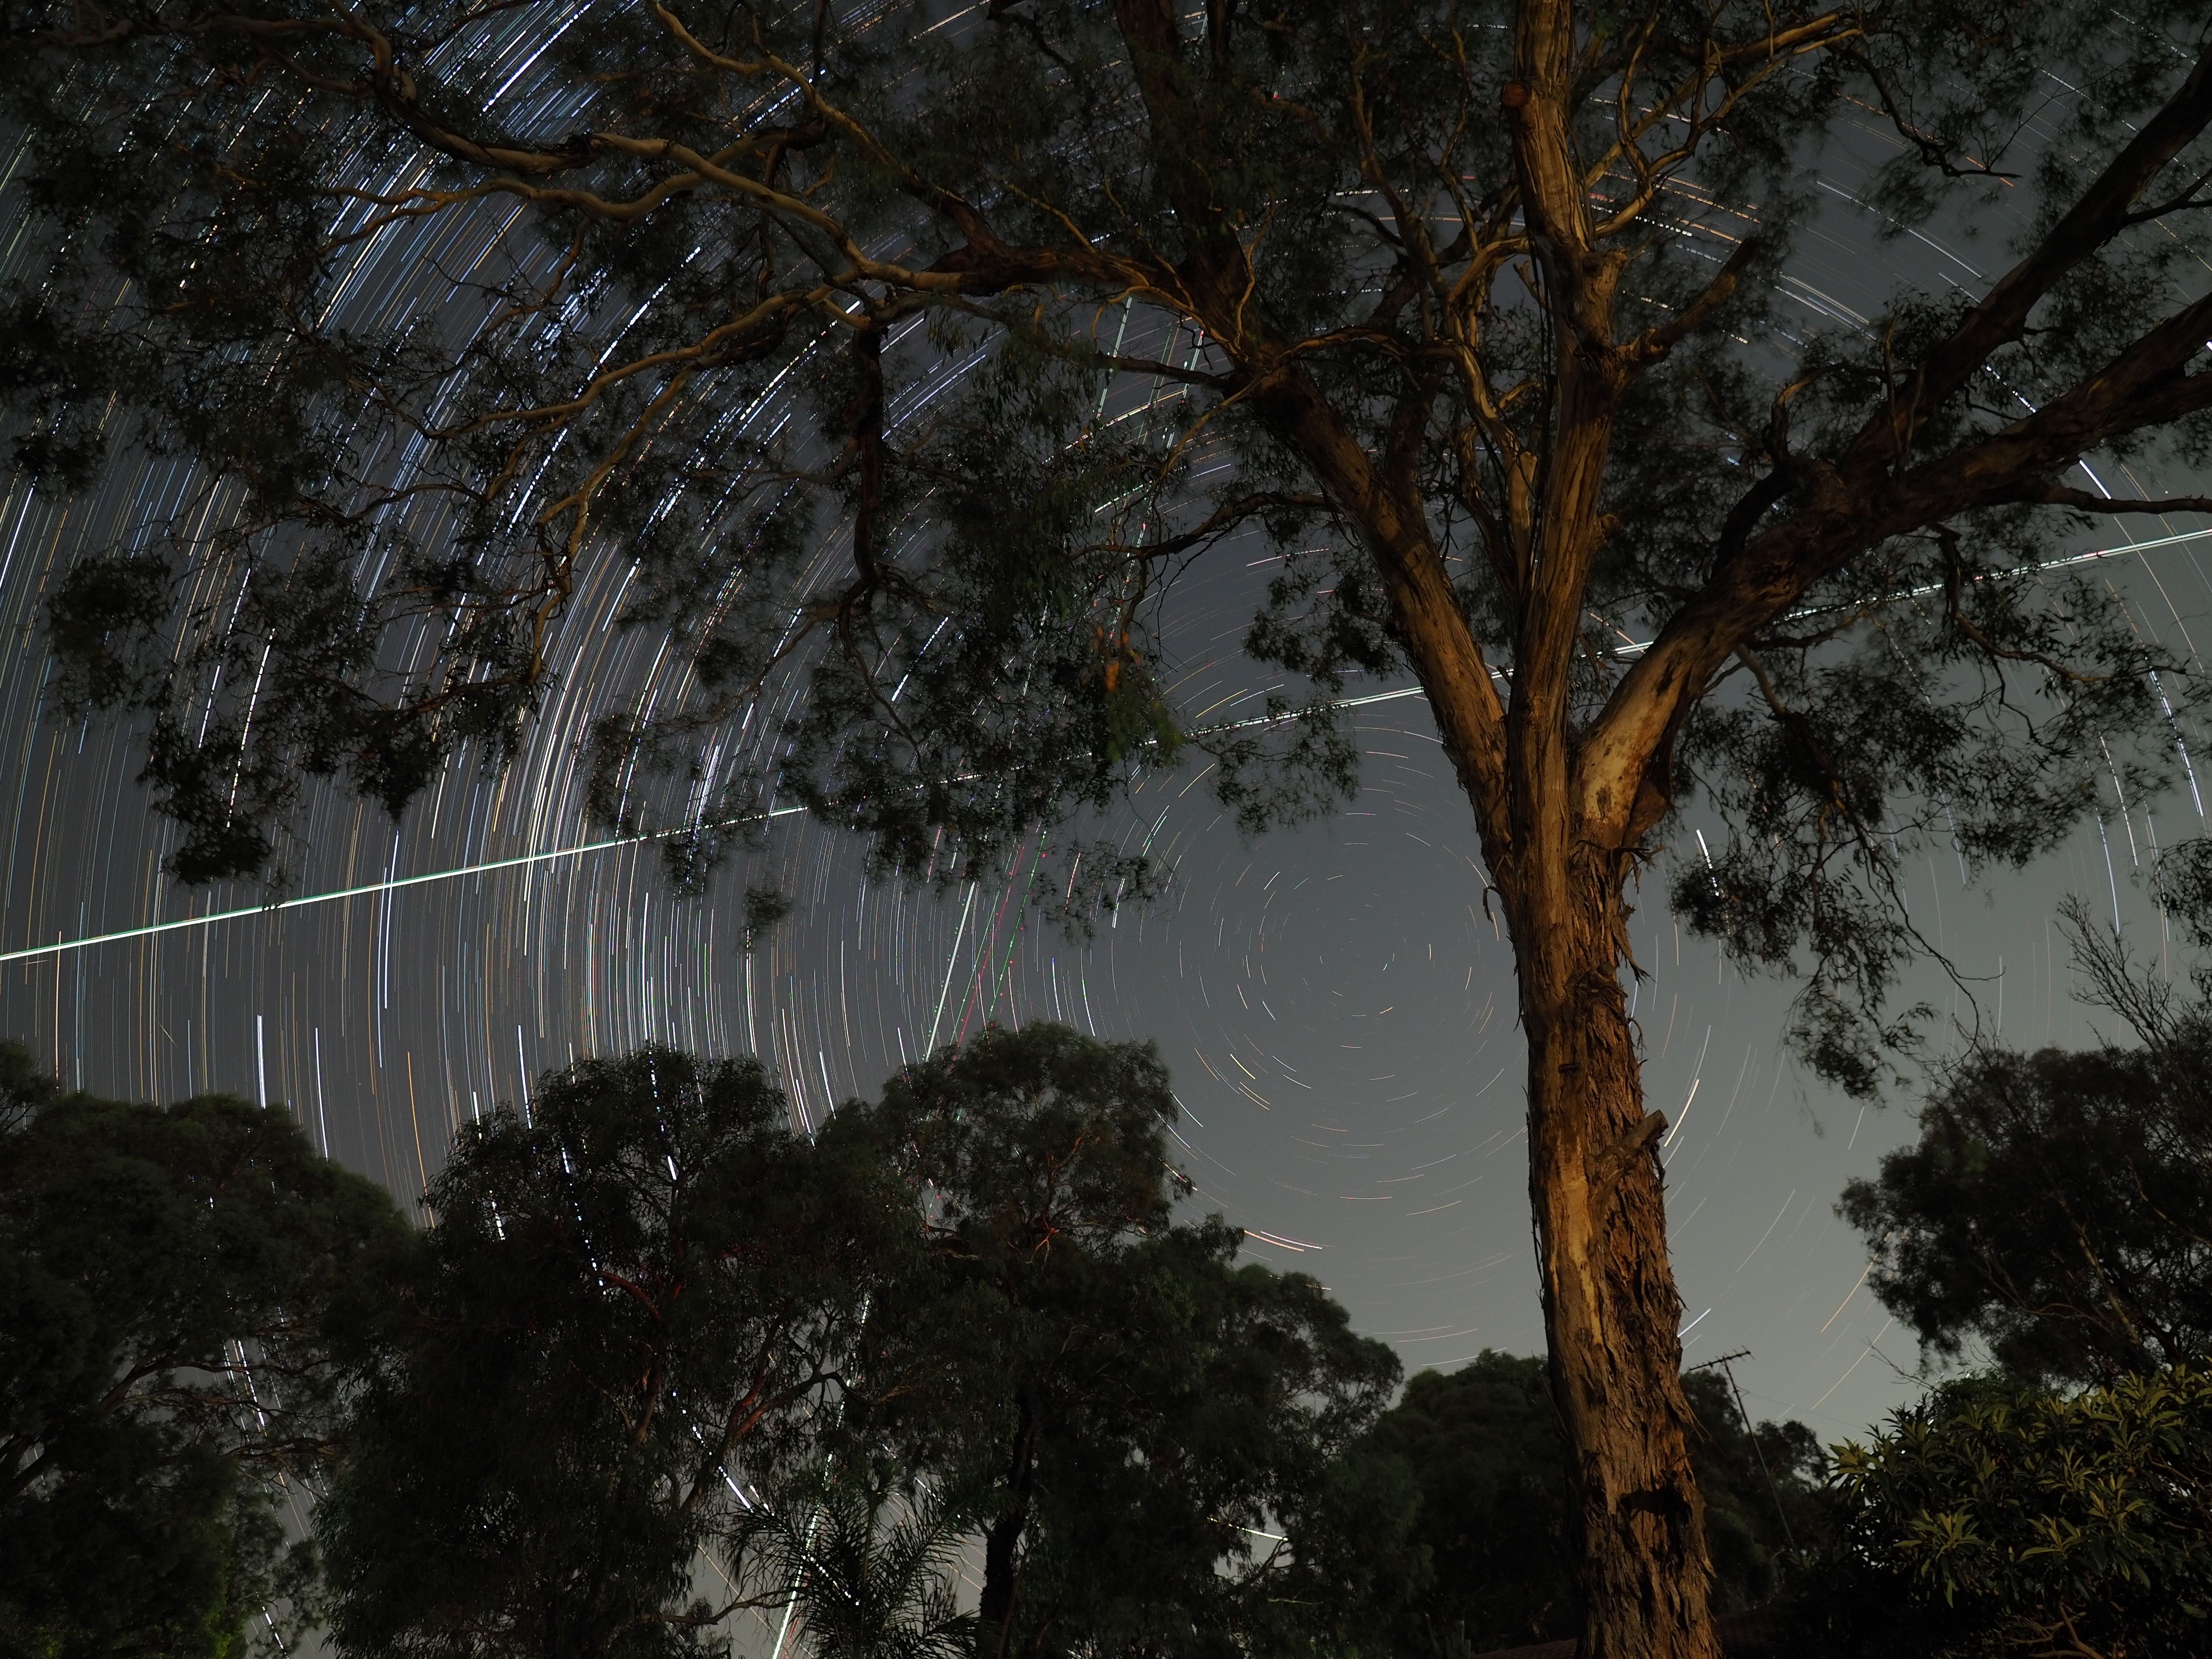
(2001, 318)
(1850, 505)
(2062, 495)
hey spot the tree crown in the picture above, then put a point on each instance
(915, 357)
(183, 1293)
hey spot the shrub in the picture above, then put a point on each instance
(1992, 1518)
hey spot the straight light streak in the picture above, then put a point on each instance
(31, 952)
(365, 890)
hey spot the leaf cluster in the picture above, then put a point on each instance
(1962, 724)
(1993, 1517)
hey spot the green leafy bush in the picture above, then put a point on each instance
(1992, 1518)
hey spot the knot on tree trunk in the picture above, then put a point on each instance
(1616, 1160)
(1669, 1502)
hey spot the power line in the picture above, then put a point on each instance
(1726, 1364)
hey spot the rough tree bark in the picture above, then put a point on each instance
(1610, 1307)
(1611, 1311)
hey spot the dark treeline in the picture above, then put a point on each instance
(2052, 1226)
(957, 1378)
(954, 1375)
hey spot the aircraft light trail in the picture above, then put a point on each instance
(370, 889)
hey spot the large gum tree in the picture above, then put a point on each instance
(907, 356)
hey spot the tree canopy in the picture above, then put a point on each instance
(1440, 282)
(1495, 1506)
(647, 1293)
(181, 1289)
(2055, 1206)
(1148, 1435)
(867, 1563)
(669, 1362)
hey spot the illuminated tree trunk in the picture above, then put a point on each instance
(1611, 1312)
(1611, 1315)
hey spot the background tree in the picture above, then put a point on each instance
(646, 1295)
(1147, 1436)
(2057, 1205)
(1496, 1503)
(181, 1288)
(1473, 297)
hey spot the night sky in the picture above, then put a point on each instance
(1336, 1007)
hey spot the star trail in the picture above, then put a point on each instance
(1336, 1003)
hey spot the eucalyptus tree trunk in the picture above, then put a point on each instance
(1611, 1313)
(1561, 825)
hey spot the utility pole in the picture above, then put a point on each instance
(1726, 1364)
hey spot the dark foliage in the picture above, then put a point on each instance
(1495, 1506)
(669, 1359)
(1147, 1434)
(1484, 1447)
(2057, 1205)
(1993, 1518)
(1764, 1506)
(181, 1291)
(1021, 286)
(866, 1560)
(646, 1292)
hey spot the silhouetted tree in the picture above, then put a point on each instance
(2057, 1205)
(1496, 1504)
(1148, 1436)
(669, 1360)
(182, 1290)
(1463, 312)
(643, 1296)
